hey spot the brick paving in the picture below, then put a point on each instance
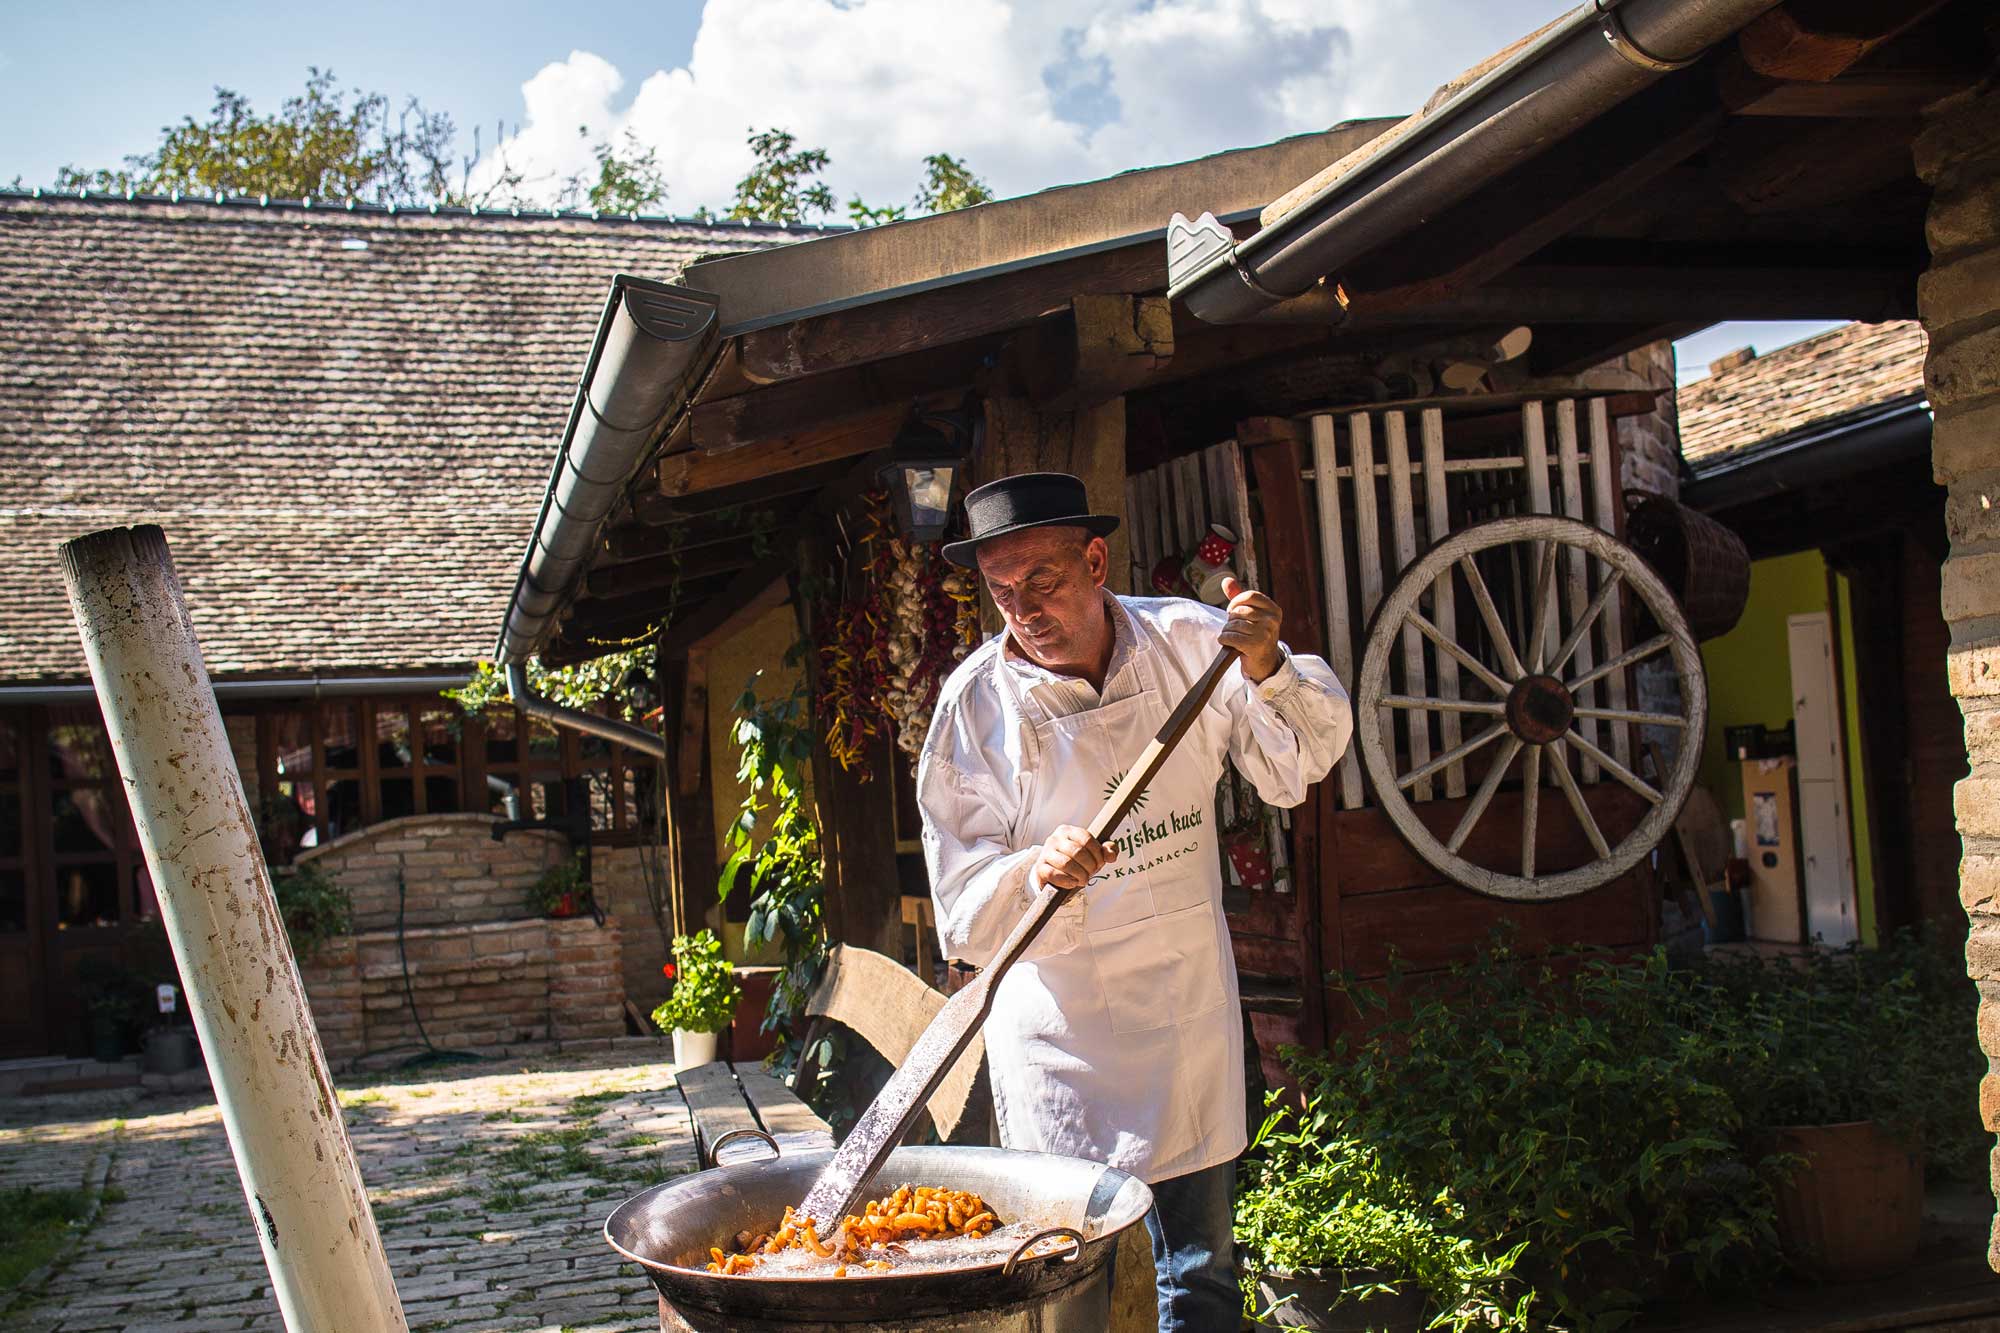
(490, 1183)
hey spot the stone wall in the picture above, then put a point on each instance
(484, 975)
(619, 877)
(451, 869)
(1958, 155)
(490, 986)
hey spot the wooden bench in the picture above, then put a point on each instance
(723, 1099)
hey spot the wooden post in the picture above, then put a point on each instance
(855, 815)
(1276, 456)
(301, 1181)
(1088, 442)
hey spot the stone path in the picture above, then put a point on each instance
(490, 1184)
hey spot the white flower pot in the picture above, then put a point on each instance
(693, 1048)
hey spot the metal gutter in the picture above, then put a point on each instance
(278, 687)
(649, 339)
(1819, 455)
(1572, 71)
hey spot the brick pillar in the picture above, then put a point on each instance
(1650, 445)
(1958, 155)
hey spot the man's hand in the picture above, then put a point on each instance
(1252, 630)
(1070, 857)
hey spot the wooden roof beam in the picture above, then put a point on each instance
(757, 414)
(696, 472)
(1817, 40)
(898, 327)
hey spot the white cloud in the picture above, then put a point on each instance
(1031, 93)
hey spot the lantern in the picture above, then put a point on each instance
(923, 462)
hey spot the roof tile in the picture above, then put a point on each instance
(346, 446)
(1830, 375)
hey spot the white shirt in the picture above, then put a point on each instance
(1118, 1036)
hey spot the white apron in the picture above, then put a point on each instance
(1128, 1049)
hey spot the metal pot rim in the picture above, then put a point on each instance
(1113, 1221)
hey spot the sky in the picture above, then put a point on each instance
(1029, 93)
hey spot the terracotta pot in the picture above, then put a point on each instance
(1855, 1208)
(1310, 1298)
(564, 907)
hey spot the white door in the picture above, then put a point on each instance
(1828, 855)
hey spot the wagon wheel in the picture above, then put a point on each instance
(1526, 692)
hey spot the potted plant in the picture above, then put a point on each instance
(316, 908)
(561, 891)
(703, 1000)
(1332, 1239)
(110, 1011)
(1838, 1100)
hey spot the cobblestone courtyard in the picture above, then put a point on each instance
(490, 1182)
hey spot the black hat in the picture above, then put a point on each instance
(1015, 504)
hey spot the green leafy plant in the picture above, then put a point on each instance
(1312, 1196)
(561, 890)
(1574, 1109)
(786, 872)
(316, 907)
(783, 184)
(705, 992)
(1888, 1035)
(623, 677)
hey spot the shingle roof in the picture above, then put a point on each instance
(343, 420)
(1811, 383)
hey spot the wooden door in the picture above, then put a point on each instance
(23, 1025)
(1826, 850)
(93, 880)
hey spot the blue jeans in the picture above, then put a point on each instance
(1194, 1254)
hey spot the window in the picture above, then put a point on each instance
(343, 764)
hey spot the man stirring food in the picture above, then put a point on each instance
(1117, 1037)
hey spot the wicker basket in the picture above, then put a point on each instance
(1704, 563)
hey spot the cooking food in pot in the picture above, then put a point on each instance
(885, 1228)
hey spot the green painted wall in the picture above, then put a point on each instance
(1750, 680)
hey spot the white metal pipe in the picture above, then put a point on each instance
(299, 1174)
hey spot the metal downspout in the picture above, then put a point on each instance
(1587, 62)
(620, 733)
(300, 1178)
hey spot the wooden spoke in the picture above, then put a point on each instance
(1491, 615)
(1450, 757)
(1465, 659)
(1550, 623)
(1484, 796)
(1615, 769)
(1545, 591)
(1657, 643)
(1416, 701)
(1567, 781)
(1531, 800)
(1631, 715)
(1585, 621)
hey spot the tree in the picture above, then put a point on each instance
(627, 182)
(949, 185)
(336, 146)
(783, 184)
(319, 145)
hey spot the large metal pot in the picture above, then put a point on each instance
(668, 1231)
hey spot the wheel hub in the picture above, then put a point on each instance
(1539, 709)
